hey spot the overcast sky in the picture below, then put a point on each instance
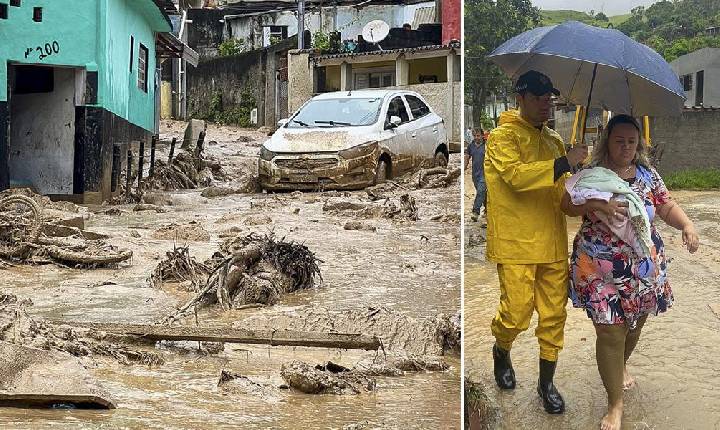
(609, 7)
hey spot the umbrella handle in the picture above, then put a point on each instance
(587, 105)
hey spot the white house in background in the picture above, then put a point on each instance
(699, 73)
(257, 30)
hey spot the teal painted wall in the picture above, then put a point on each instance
(94, 34)
(119, 92)
(75, 29)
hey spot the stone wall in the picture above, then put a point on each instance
(689, 141)
(235, 78)
(685, 142)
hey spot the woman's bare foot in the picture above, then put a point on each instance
(611, 421)
(628, 380)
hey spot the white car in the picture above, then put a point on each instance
(352, 139)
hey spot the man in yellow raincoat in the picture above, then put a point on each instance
(525, 170)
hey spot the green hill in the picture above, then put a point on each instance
(552, 17)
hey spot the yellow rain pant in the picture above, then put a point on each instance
(528, 287)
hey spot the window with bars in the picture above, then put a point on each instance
(143, 68)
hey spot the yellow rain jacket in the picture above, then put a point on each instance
(525, 222)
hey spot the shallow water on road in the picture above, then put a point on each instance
(676, 363)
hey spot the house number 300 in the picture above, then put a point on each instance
(43, 52)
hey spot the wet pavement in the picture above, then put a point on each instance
(410, 267)
(676, 363)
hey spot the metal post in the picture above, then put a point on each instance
(128, 174)
(301, 24)
(141, 161)
(153, 142)
(172, 149)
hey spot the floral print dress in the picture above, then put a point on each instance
(607, 278)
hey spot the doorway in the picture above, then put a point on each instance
(42, 128)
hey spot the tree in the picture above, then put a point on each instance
(602, 17)
(487, 25)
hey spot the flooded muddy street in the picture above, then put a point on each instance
(676, 364)
(375, 261)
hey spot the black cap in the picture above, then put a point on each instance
(536, 83)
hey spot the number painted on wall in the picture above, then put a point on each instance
(42, 52)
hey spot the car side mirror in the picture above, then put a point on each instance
(282, 122)
(395, 121)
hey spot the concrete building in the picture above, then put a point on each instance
(699, 73)
(77, 80)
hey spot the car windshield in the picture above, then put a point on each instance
(337, 113)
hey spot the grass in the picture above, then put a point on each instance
(552, 17)
(694, 179)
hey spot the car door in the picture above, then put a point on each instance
(399, 144)
(425, 134)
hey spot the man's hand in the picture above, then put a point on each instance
(577, 154)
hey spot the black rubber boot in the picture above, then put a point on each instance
(504, 373)
(552, 400)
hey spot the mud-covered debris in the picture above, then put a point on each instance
(187, 347)
(36, 378)
(436, 177)
(21, 238)
(114, 212)
(186, 232)
(179, 266)
(255, 269)
(449, 218)
(157, 199)
(399, 333)
(17, 328)
(257, 220)
(357, 225)
(234, 383)
(148, 207)
(211, 192)
(401, 208)
(421, 364)
(329, 378)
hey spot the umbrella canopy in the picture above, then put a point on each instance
(604, 66)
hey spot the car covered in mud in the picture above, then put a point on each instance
(352, 139)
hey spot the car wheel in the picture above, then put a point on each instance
(381, 172)
(441, 159)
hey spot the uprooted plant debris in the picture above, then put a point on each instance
(247, 270)
(437, 177)
(25, 237)
(16, 327)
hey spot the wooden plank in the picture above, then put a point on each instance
(219, 334)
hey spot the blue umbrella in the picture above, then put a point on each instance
(595, 67)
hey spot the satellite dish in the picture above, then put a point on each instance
(375, 31)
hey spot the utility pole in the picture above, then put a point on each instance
(301, 24)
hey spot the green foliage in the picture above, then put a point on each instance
(321, 41)
(488, 24)
(231, 47)
(674, 28)
(552, 17)
(695, 179)
(231, 115)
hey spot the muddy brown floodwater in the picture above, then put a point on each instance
(676, 364)
(410, 267)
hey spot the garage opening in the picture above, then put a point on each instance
(42, 128)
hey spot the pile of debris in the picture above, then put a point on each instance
(247, 270)
(17, 328)
(26, 236)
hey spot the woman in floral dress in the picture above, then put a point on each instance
(616, 285)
